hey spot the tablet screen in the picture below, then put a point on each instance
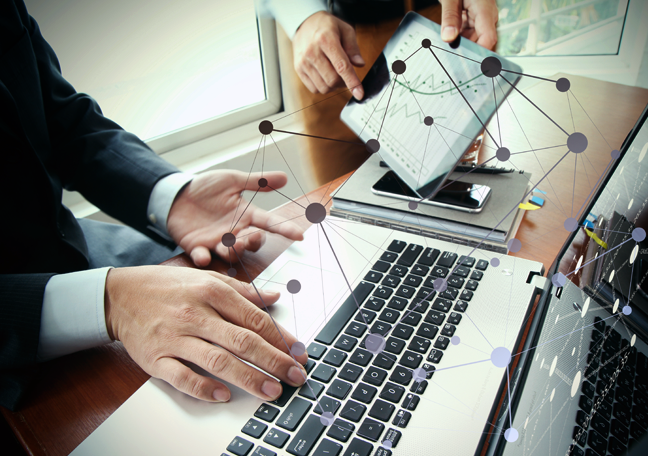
(426, 101)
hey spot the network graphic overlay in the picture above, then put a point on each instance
(399, 113)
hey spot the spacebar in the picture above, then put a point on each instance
(350, 306)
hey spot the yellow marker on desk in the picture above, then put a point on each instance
(596, 239)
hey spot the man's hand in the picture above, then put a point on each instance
(169, 316)
(474, 19)
(211, 206)
(325, 50)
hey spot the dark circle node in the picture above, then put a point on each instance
(455, 44)
(514, 245)
(373, 146)
(559, 279)
(615, 154)
(638, 234)
(491, 66)
(263, 182)
(426, 43)
(228, 239)
(298, 349)
(440, 284)
(571, 224)
(563, 85)
(293, 286)
(315, 213)
(503, 154)
(327, 418)
(501, 357)
(375, 343)
(231, 272)
(398, 67)
(577, 142)
(265, 127)
(428, 120)
(413, 205)
(495, 262)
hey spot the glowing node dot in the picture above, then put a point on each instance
(571, 224)
(231, 272)
(228, 239)
(511, 435)
(419, 374)
(503, 154)
(627, 310)
(426, 43)
(399, 67)
(495, 262)
(563, 85)
(501, 357)
(293, 286)
(263, 182)
(315, 213)
(298, 349)
(577, 142)
(491, 66)
(440, 284)
(428, 120)
(559, 279)
(615, 154)
(638, 234)
(266, 127)
(514, 245)
(387, 444)
(373, 146)
(413, 205)
(455, 340)
(327, 418)
(375, 343)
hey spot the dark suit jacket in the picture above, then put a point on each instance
(52, 138)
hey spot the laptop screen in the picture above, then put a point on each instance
(426, 102)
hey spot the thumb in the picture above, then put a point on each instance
(350, 44)
(451, 19)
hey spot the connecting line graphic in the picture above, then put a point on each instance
(288, 165)
(317, 137)
(287, 197)
(387, 107)
(246, 182)
(246, 208)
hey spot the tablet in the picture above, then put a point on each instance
(426, 101)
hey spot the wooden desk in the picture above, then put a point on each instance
(76, 393)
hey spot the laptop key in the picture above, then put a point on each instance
(454, 318)
(597, 442)
(381, 266)
(410, 402)
(392, 392)
(398, 271)
(365, 316)
(481, 265)
(434, 317)
(374, 304)
(447, 259)
(380, 327)
(441, 342)
(353, 411)
(397, 303)
(371, 429)
(425, 330)
(266, 412)
(411, 253)
(260, 451)
(335, 357)
(382, 451)
(455, 281)
(315, 350)
(403, 331)
(323, 373)
(411, 359)
(450, 293)
(405, 291)
(355, 329)
(374, 376)
(419, 387)
(442, 305)
(360, 357)
(420, 270)
(397, 246)
(390, 281)
(448, 330)
(435, 356)
(341, 430)
(254, 428)
(419, 344)
(393, 436)
(293, 414)
(394, 345)
(476, 275)
(364, 393)
(358, 447)
(429, 256)
(472, 285)
(429, 370)
(466, 295)
(413, 280)
(345, 343)
(339, 389)
(276, 438)
(401, 376)
(439, 271)
(342, 316)
(309, 366)
(418, 304)
(467, 261)
(389, 316)
(461, 271)
(461, 306)
(384, 361)
(350, 372)
(306, 437)
(373, 276)
(286, 394)
(382, 410)
(240, 447)
(402, 418)
(311, 390)
(326, 404)
(412, 318)
(389, 256)
(328, 448)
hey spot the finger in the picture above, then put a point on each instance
(201, 256)
(254, 240)
(451, 19)
(486, 24)
(274, 180)
(184, 379)
(260, 298)
(350, 44)
(316, 77)
(275, 224)
(306, 80)
(219, 362)
(339, 59)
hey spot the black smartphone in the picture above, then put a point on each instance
(462, 196)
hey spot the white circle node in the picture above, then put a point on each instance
(501, 357)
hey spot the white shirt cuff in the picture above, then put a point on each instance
(291, 13)
(73, 314)
(162, 198)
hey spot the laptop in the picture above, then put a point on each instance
(439, 348)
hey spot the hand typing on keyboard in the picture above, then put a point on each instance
(166, 316)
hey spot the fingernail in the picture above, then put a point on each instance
(358, 93)
(296, 375)
(271, 389)
(448, 33)
(357, 59)
(221, 395)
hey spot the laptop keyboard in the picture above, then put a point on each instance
(398, 299)
(613, 405)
